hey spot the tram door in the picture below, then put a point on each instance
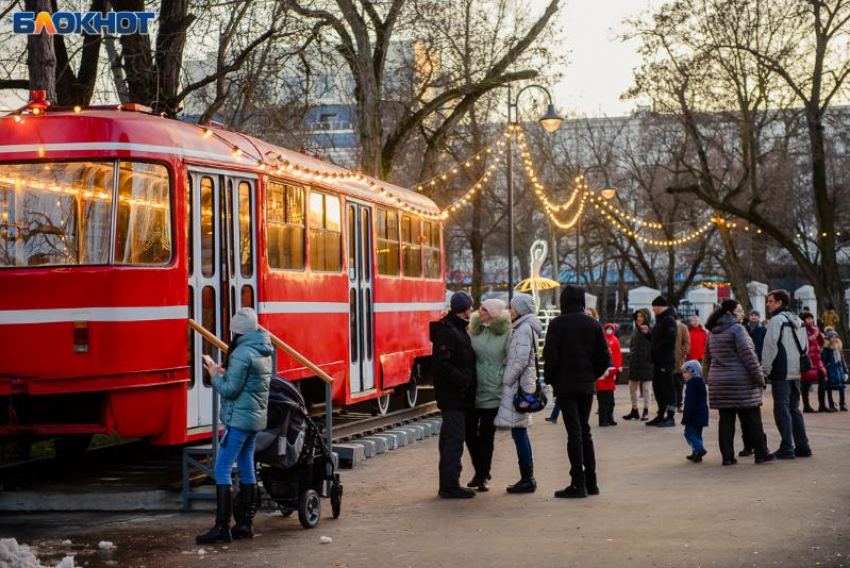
(360, 301)
(220, 222)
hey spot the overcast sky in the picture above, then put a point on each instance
(600, 65)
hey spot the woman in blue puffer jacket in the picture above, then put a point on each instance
(244, 390)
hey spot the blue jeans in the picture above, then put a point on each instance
(693, 434)
(523, 445)
(237, 446)
(555, 412)
(787, 415)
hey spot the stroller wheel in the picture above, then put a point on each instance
(336, 499)
(310, 509)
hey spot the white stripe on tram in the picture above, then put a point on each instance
(342, 307)
(124, 314)
(103, 146)
(303, 308)
(410, 307)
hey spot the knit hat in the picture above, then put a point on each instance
(244, 321)
(660, 301)
(830, 334)
(460, 302)
(494, 307)
(524, 304)
(755, 313)
(692, 367)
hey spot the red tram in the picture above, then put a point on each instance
(117, 225)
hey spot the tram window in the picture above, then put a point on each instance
(191, 340)
(246, 229)
(387, 242)
(352, 241)
(431, 247)
(411, 251)
(208, 317)
(325, 233)
(247, 296)
(285, 226)
(352, 324)
(226, 206)
(143, 230)
(207, 227)
(55, 214)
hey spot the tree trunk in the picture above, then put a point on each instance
(174, 20)
(476, 244)
(41, 59)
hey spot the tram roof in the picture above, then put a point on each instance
(99, 130)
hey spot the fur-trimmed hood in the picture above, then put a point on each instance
(500, 325)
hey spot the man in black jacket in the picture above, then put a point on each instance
(663, 354)
(453, 363)
(576, 354)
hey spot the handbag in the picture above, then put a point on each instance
(805, 362)
(536, 401)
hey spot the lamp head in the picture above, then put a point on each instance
(608, 191)
(551, 121)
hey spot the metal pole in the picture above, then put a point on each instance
(329, 407)
(510, 173)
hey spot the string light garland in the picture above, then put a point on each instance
(496, 148)
(657, 242)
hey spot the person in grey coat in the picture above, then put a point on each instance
(736, 381)
(520, 370)
(243, 384)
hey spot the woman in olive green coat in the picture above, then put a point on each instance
(490, 328)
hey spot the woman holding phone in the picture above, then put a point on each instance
(243, 384)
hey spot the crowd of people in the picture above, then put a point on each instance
(481, 360)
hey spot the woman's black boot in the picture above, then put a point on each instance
(223, 511)
(527, 484)
(633, 415)
(244, 510)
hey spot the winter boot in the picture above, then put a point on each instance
(590, 483)
(223, 511)
(245, 507)
(572, 492)
(527, 484)
(657, 420)
(645, 416)
(633, 415)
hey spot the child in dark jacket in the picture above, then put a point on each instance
(695, 415)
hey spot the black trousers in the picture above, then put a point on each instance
(480, 435)
(606, 406)
(679, 386)
(752, 428)
(452, 435)
(662, 387)
(580, 450)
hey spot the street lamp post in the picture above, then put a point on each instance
(550, 122)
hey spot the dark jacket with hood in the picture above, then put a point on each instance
(453, 364)
(640, 364)
(575, 352)
(662, 347)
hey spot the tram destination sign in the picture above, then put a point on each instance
(95, 23)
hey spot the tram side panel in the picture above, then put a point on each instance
(96, 349)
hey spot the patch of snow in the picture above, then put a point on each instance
(106, 545)
(326, 540)
(14, 555)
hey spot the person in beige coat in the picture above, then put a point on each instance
(520, 369)
(683, 347)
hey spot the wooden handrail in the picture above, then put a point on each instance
(276, 341)
(280, 344)
(205, 333)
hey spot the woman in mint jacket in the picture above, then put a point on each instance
(490, 328)
(244, 390)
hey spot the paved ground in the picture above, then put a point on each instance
(656, 509)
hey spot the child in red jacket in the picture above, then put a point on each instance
(606, 384)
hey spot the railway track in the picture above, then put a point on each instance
(343, 432)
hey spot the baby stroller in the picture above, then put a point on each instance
(294, 460)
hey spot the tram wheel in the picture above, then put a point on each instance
(382, 405)
(310, 509)
(411, 394)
